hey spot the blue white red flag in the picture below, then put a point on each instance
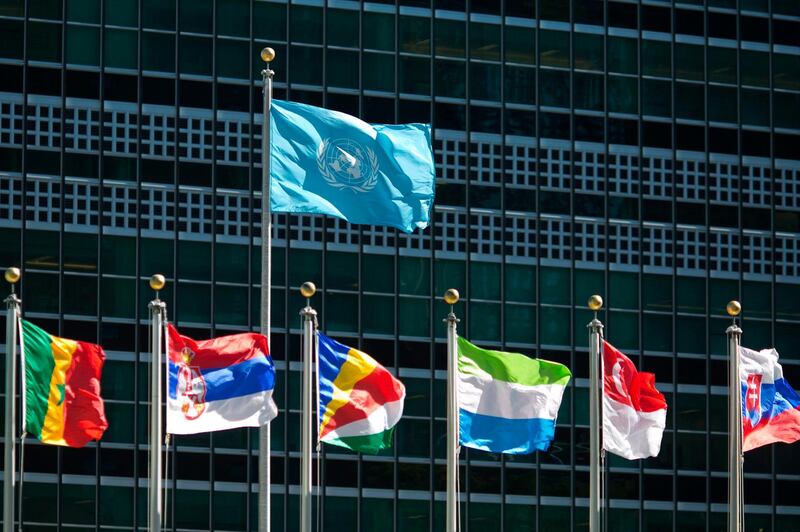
(770, 406)
(218, 384)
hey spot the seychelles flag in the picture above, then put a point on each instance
(360, 402)
(770, 406)
(61, 388)
(218, 384)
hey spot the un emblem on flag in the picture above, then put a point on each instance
(346, 164)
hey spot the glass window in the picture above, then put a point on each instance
(787, 300)
(656, 98)
(377, 273)
(194, 52)
(786, 110)
(415, 75)
(625, 327)
(588, 92)
(449, 274)
(484, 41)
(484, 280)
(413, 515)
(155, 256)
(554, 89)
(193, 303)
(657, 292)
(378, 314)
(520, 323)
(485, 81)
(306, 24)
(451, 78)
(554, 326)
(118, 299)
(520, 85)
(624, 290)
(231, 305)
(414, 316)
(786, 71)
(451, 38)
(378, 29)
(196, 16)
(191, 509)
(755, 106)
(44, 42)
(588, 51)
(691, 294)
(11, 44)
(520, 45)
(691, 451)
(755, 68)
(120, 48)
(306, 65)
(342, 27)
(232, 61)
(689, 62)
(623, 95)
(554, 284)
(83, 11)
(554, 517)
(76, 289)
(484, 322)
(415, 35)
(689, 101)
(378, 71)
(158, 14)
(554, 48)
(520, 283)
(233, 17)
(657, 332)
(721, 65)
(269, 21)
(656, 59)
(414, 274)
(722, 104)
(623, 55)
(122, 13)
(45, 9)
(342, 68)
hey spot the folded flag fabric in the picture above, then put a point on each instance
(218, 384)
(61, 388)
(634, 412)
(327, 162)
(360, 402)
(770, 406)
(508, 403)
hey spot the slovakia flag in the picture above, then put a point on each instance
(218, 384)
(770, 407)
(634, 412)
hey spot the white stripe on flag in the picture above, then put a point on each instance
(253, 410)
(490, 397)
(630, 433)
(377, 421)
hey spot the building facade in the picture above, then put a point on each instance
(646, 151)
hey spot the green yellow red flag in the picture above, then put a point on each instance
(61, 388)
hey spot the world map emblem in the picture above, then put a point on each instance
(346, 164)
(191, 390)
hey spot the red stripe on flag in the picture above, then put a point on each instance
(368, 394)
(218, 352)
(785, 427)
(625, 385)
(84, 412)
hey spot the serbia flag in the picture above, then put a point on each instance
(770, 407)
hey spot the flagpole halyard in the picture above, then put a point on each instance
(158, 310)
(595, 334)
(451, 297)
(735, 457)
(309, 316)
(264, 433)
(12, 275)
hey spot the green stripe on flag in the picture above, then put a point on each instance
(369, 444)
(39, 365)
(509, 367)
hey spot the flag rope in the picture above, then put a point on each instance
(21, 470)
(167, 438)
(24, 407)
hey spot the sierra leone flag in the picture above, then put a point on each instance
(507, 402)
(360, 402)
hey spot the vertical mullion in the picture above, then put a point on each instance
(213, 228)
(463, 521)
(250, 172)
(62, 212)
(326, 221)
(177, 173)
(571, 302)
(286, 313)
(538, 217)
(772, 215)
(501, 170)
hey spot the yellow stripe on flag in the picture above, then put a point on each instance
(53, 428)
(357, 366)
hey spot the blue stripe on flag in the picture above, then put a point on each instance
(503, 435)
(332, 356)
(245, 378)
(775, 399)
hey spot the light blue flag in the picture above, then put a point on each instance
(327, 162)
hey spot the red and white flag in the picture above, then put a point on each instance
(634, 412)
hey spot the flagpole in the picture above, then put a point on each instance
(264, 432)
(735, 458)
(309, 316)
(451, 524)
(595, 334)
(158, 310)
(13, 303)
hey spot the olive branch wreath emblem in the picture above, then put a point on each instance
(330, 178)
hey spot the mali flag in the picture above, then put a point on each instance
(61, 388)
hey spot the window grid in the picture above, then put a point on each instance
(723, 182)
(691, 250)
(690, 180)
(657, 177)
(787, 187)
(520, 236)
(82, 129)
(623, 174)
(757, 184)
(10, 120)
(555, 240)
(589, 171)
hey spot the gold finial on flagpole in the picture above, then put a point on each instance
(308, 289)
(267, 54)
(452, 296)
(733, 308)
(595, 303)
(157, 282)
(12, 275)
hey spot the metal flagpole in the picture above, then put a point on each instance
(595, 335)
(158, 311)
(451, 524)
(13, 303)
(309, 330)
(264, 433)
(735, 458)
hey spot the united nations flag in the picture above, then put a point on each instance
(327, 162)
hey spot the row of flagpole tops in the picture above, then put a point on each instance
(308, 289)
